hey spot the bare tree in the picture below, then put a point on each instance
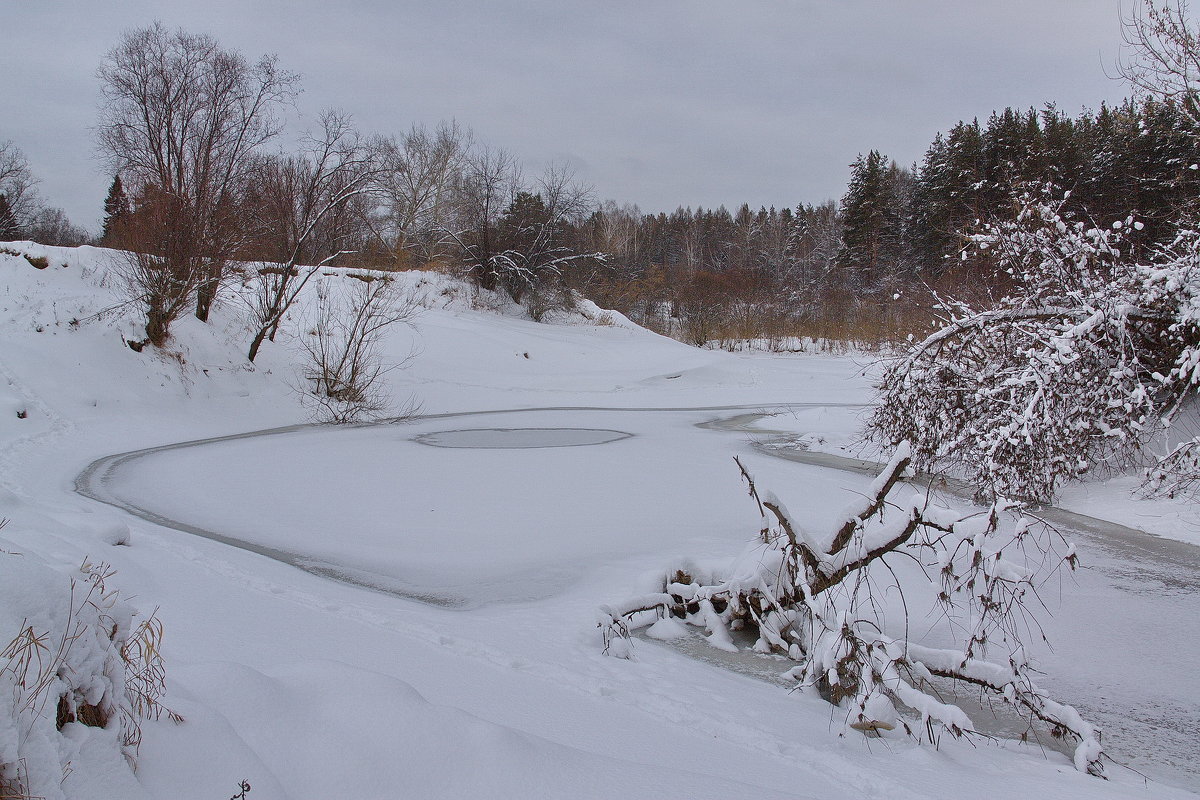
(617, 231)
(512, 235)
(344, 367)
(420, 170)
(18, 185)
(486, 185)
(160, 266)
(181, 120)
(1164, 60)
(616, 280)
(9, 229)
(50, 225)
(537, 252)
(303, 203)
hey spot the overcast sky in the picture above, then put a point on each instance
(657, 102)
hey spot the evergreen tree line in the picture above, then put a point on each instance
(836, 270)
(1137, 158)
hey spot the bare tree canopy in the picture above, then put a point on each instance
(181, 119)
(17, 185)
(419, 171)
(306, 205)
(183, 113)
(1164, 46)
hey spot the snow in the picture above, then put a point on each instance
(666, 629)
(63, 635)
(311, 687)
(1116, 499)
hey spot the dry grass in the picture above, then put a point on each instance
(35, 661)
(13, 782)
(37, 262)
(145, 680)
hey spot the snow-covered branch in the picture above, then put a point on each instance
(824, 609)
(1077, 368)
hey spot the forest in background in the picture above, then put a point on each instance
(864, 271)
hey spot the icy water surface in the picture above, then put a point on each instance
(519, 438)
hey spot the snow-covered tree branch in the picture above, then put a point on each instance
(1079, 366)
(820, 602)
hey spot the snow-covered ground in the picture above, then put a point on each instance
(837, 431)
(459, 657)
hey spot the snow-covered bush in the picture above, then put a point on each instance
(343, 364)
(1079, 366)
(77, 677)
(1176, 474)
(822, 602)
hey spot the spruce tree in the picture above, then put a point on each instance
(1063, 155)
(873, 223)
(116, 211)
(951, 195)
(9, 230)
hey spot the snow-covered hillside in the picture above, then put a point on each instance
(457, 656)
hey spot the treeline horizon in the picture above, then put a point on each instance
(859, 269)
(829, 270)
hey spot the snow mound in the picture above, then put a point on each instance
(63, 674)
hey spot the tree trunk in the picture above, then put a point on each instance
(257, 343)
(158, 326)
(205, 295)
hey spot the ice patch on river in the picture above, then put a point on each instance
(520, 438)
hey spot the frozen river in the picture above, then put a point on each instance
(604, 486)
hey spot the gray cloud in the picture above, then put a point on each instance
(659, 102)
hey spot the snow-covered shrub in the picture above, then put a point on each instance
(78, 673)
(1079, 366)
(1176, 474)
(343, 366)
(821, 601)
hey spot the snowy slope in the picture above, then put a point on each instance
(309, 687)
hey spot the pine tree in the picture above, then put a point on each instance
(873, 222)
(1166, 149)
(9, 230)
(116, 211)
(951, 196)
(1063, 156)
(1012, 146)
